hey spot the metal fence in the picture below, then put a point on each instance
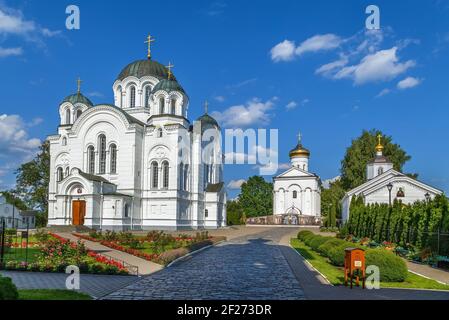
(14, 245)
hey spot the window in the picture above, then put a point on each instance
(159, 133)
(67, 171)
(78, 113)
(67, 116)
(64, 141)
(380, 171)
(206, 213)
(295, 194)
(173, 106)
(91, 159)
(165, 168)
(126, 209)
(161, 105)
(132, 97)
(155, 175)
(113, 154)
(102, 153)
(60, 175)
(147, 96)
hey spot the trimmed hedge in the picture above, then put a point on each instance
(303, 234)
(8, 290)
(316, 242)
(392, 268)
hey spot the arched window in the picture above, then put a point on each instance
(173, 106)
(154, 175)
(147, 96)
(295, 194)
(113, 155)
(120, 97)
(126, 210)
(67, 171)
(78, 113)
(91, 159)
(102, 153)
(132, 97)
(159, 133)
(67, 116)
(60, 174)
(166, 174)
(206, 213)
(380, 171)
(161, 105)
(64, 141)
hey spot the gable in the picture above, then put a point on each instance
(295, 172)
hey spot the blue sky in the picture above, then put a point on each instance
(292, 65)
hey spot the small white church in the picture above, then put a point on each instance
(384, 185)
(137, 163)
(297, 192)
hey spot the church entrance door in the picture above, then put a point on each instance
(78, 212)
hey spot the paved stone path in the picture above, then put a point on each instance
(245, 268)
(94, 285)
(145, 267)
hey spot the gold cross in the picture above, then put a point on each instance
(379, 137)
(78, 82)
(206, 106)
(150, 39)
(169, 67)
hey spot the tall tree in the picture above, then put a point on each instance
(330, 200)
(361, 151)
(32, 183)
(256, 197)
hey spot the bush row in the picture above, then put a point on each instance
(392, 268)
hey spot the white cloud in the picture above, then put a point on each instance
(14, 141)
(95, 94)
(253, 112)
(8, 52)
(328, 68)
(284, 51)
(384, 92)
(220, 98)
(236, 184)
(382, 65)
(408, 83)
(291, 105)
(319, 43)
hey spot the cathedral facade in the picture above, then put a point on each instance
(137, 163)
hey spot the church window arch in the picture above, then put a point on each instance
(102, 154)
(64, 141)
(166, 174)
(91, 159)
(161, 105)
(295, 194)
(160, 133)
(173, 106)
(380, 171)
(126, 210)
(59, 174)
(67, 171)
(147, 96)
(67, 116)
(113, 155)
(154, 175)
(78, 113)
(132, 97)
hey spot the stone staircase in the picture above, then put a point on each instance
(67, 229)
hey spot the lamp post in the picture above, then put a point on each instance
(389, 187)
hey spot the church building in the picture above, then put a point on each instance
(297, 192)
(384, 185)
(136, 163)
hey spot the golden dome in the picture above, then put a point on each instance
(379, 147)
(299, 151)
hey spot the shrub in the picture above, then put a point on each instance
(171, 255)
(337, 254)
(392, 268)
(8, 291)
(303, 233)
(309, 238)
(316, 242)
(41, 235)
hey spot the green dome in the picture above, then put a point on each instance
(168, 86)
(206, 119)
(142, 68)
(77, 98)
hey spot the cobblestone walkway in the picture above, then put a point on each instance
(245, 269)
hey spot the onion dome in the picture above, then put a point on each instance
(168, 86)
(143, 68)
(299, 151)
(78, 98)
(379, 147)
(206, 119)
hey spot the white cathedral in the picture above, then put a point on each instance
(297, 192)
(137, 163)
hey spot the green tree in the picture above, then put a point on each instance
(32, 183)
(256, 197)
(330, 200)
(362, 151)
(234, 213)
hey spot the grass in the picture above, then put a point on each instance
(52, 294)
(335, 275)
(19, 254)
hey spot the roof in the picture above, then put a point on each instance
(206, 119)
(92, 177)
(214, 187)
(77, 98)
(130, 118)
(168, 86)
(299, 151)
(142, 68)
(380, 159)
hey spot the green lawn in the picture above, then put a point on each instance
(19, 254)
(335, 275)
(50, 294)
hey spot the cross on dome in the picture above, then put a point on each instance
(150, 39)
(169, 67)
(78, 82)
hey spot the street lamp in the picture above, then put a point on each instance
(390, 187)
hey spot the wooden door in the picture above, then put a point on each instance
(78, 212)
